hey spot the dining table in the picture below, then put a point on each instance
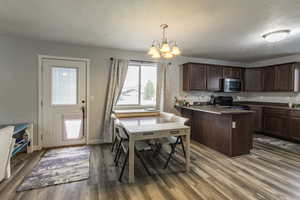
(153, 127)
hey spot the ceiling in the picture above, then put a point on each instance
(228, 29)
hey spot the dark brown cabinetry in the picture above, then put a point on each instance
(275, 122)
(253, 80)
(214, 78)
(232, 72)
(268, 78)
(258, 112)
(283, 77)
(194, 76)
(205, 77)
(294, 125)
(280, 78)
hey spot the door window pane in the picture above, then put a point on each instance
(148, 85)
(64, 86)
(130, 92)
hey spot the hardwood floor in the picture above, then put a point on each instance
(267, 173)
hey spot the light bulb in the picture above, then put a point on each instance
(168, 55)
(152, 50)
(156, 55)
(175, 50)
(165, 47)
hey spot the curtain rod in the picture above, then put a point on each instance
(141, 61)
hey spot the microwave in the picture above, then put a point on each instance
(232, 85)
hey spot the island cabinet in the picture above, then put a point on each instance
(253, 80)
(214, 78)
(194, 76)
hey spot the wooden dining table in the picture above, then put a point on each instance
(146, 128)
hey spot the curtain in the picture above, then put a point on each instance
(161, 86)
(118, 71)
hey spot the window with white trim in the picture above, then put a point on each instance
(140, 85)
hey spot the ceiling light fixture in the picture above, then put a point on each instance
(164, 48)
(276, 36)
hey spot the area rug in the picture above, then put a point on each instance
(286, 145)
(59, 166)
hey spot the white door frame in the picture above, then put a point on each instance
(40, 93)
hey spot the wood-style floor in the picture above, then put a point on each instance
(267, 173)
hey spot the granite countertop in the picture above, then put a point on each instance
(267, 105)
(219, 110)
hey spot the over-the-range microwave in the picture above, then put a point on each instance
(232, 85)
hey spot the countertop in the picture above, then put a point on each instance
(283, 106)
(219, 110)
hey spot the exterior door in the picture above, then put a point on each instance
(63, 102)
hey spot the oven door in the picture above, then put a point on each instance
(232, 85)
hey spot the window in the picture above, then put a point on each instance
(140, 86)
(64, 86)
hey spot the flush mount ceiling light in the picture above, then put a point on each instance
(276, 36)
(163, 48)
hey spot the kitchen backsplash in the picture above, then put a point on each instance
(276, 97)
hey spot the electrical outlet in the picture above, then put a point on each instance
(233, 124)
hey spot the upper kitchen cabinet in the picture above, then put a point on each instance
(268, 79)
(233, 72)
(284, 77)
(194, 76)
(253, 80)
(214, 78)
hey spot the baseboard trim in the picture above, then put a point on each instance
(36, 148)
(96, 141)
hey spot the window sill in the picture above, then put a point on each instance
(135, 112)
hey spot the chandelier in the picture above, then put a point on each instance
(163, 48)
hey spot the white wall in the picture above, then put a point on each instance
(19, 78)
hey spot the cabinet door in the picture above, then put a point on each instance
(194, 77)
(294, 125)
(276, 122)
(268, 78)
(283, 77)
(214, 77)
(197, 77)
(227, 72)
(232, 72)
(257, 117)
(253, 80)
(236, 73)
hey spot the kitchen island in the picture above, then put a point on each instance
(224, 129)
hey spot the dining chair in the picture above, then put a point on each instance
(139, 146)
(173, 141)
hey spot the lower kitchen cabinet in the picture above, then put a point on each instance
(294, 125)
(258, 112)
(275, 122)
